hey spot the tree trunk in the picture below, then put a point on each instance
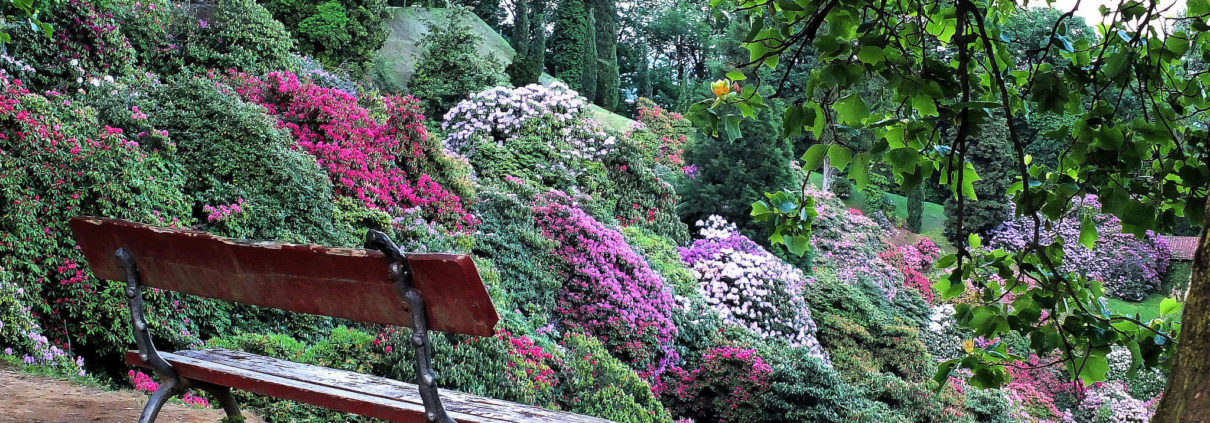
(1187, 398)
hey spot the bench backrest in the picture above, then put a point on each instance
(338, 282)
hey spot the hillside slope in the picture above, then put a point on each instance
(396, 61)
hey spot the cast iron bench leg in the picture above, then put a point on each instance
(166, 391)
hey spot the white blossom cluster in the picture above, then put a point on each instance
(501, 114)
(750, 287)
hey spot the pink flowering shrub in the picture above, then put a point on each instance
(60, 162)
(359, 153)
(728, 386)
(609, 291)
(915, 262)
(850, 243)
(670, 132)
(86, 46)
(1131, 268)
(749, 287)
(1037, 391)
(143, 383)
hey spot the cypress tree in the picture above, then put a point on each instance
(644, 77)
(588, 70)
(566, 60)
(915, 209)
(606, 26)
(520, 36)
(537, 48)
(991, 156)
(520, 43)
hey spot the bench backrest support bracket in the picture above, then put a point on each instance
(138, 322)
(401, 273)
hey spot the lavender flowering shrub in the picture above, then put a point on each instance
(751, 287)
(609, 290)
(1131, 268)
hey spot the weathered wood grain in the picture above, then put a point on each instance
(346, 391)
(338, 282)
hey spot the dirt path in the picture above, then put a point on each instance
(36, 399)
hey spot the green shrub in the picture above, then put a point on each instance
(285, 196)
(639, 197)
(804, 389)
(915, 210)
(252, 40)
(450, 67)
(588, 371)
(732, 175)
(862, 338)
(841, 187)
(340, 34)
(662, 255)
(992, 158)
(522, 256)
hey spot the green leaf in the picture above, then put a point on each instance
(813, 157)
(798, 244)
(924, 104)
(969, 176)
(1169, 306)
(1088, 232)
(851, 110)
(792, 122)
(1197, 7)
(839, 156)
(973, 241)
(736, 76)
(731, 127)
(871, 55)
(860, 172)
(1095, 366)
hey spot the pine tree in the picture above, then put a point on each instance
(731, 175)
(537, 47)
(606, 16)
(588, 69)
(520, 35)
(915, 209)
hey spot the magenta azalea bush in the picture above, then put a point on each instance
(358, 151)
(609, 291)
(750, 287)
(728, 386)
(1131, 268)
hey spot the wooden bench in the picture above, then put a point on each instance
(379, 284)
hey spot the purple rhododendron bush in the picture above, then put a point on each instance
(1130, 267)
(614, 302)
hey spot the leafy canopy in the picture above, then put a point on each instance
(949, 69)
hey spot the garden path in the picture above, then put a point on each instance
(28, 398)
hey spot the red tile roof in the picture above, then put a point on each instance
(1183, 247)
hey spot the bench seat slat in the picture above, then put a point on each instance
(346, 391)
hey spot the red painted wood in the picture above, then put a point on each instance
(346, 391)
(338, 282)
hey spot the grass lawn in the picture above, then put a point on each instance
(932, 225)
(1147, 309)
